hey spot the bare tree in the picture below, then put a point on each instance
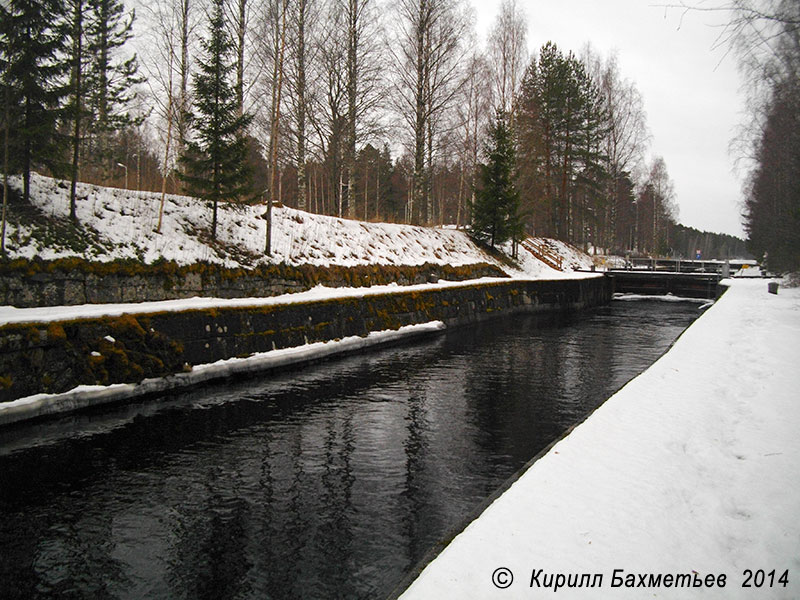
(238, 21)
(165, 41)
(473, 111)
(186, 25)
(754, 29)
(363, 77)
(657, 200)
(249, 23)
(328, 113)
(626, 134)
(765, 37)
(298, 92)
(278, 8)
(427, 54)
(344, 93)
(508, 53)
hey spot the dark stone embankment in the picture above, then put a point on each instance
(58, 356)
(71, 281)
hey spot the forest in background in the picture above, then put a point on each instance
(356, 108)
(766, 37)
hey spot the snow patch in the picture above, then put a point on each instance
(660, 298)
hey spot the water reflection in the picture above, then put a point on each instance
(327, 482)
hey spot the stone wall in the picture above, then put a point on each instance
(58, 356)
(67, 282)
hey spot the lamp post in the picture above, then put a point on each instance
(138, 172)
(126, 173)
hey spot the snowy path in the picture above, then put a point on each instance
(693, 467)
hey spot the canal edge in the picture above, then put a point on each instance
(42, 406)
(432, 554)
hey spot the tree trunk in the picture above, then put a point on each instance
(184, 73)
(420, 107)
(352, 99)
(6, 122)
(240, 34)
(77, 51)
(166, 154)
(273, 142)
(301, 106)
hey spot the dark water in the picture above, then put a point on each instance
(327, 482)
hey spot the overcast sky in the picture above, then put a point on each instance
(691, 91)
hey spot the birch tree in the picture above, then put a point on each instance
(278, 12)
(363, 74)
(166, 41)
(473, 109)
(427, 54)
(625, 141)
(508, 53)
(298, 88)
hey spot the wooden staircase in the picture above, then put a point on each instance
(543, 252)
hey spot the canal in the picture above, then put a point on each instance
(331, 481)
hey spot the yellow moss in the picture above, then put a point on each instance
(128, 324)
(56, 333)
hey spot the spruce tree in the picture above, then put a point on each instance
(495, 210)
(31, 43)
(110, 78)
(215, 161)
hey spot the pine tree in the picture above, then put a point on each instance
(495, 211)
(215, 161)
(31, 42)
(563, 121)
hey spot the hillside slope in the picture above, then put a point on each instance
(120, 224)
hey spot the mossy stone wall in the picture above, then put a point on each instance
(25, 283)
(57, 357)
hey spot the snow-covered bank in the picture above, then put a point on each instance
(120, 224)
(690, 472)
(85, 396)
(123, 224)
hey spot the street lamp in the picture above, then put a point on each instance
(138, 172)
(126, 173)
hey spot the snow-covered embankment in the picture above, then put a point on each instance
(692, 468)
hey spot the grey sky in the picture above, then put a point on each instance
(690, 90)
